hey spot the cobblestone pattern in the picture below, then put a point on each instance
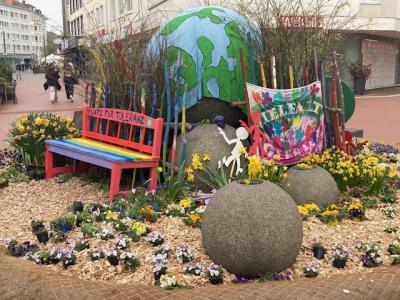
(20, 279)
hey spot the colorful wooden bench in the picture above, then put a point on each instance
(114, 139)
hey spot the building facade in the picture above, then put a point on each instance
(374, 37)
(23, 32)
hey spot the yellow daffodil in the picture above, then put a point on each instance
(139, 228)
(185, 203)
(206, 157)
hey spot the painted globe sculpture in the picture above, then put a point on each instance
(252, 229)
(208, 40)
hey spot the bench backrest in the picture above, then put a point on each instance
(124, 128)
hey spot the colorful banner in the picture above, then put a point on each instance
(292, 119)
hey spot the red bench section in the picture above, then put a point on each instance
(114, 139)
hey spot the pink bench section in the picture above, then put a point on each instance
(114, 139)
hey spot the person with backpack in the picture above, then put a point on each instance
(52, 83)
(69, 81)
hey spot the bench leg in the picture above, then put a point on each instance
(115, 181)
(48, 166)
(153, 179)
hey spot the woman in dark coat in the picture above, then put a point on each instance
(69, 82)
(52, 83)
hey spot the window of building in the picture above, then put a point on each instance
(128, 5)
(113, 9)
(36, 38)
(121, 7)
(370, 1)
(101, 18)
(8, 47)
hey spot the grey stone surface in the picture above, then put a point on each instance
(206, 139)
(251, 229)
(311, 186)
(207, 108)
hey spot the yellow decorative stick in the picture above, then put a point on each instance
(291, 76)
(263, 79)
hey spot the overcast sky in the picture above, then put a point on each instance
(52, 10)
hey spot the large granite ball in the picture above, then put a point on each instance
(207, 108)
(311, 186)
(206, 139)
(252, 229)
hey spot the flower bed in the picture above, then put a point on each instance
(142, 240)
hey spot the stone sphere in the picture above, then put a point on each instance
(252, 229)
(206, 139)
(207, 108)
(311, 186)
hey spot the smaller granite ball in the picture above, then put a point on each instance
(252, 229)
(206, 139)
(311, 186)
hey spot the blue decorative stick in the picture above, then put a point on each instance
(166, 132)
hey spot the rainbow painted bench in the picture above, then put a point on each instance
(114, 139)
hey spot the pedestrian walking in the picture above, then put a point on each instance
(69, 81)
(52, 83)
(18, 72)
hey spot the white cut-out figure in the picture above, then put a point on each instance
(241, 135)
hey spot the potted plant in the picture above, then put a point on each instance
(3, 182)
(360, 75)
(63, 224)
(42, 236)
(155, 238)
(13, 248)
(36, 225)
(340, 256)
(193, 269)
(122, 242)
(394, 251)
(215, 274)
(318, 250)
(96, 254)
(160, 265)
(77, 207)
(311, 270)
(83, 217)
(80, 245)
(89, 229)
(372, 257)
(184, 253)
(68, 258)
(130, 261)
(58, 236)
(113, 256)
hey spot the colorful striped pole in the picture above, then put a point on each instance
(176, 103)
(166, 132)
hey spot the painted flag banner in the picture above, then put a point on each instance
(292, 119)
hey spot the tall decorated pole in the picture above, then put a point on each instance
(263, 78)
(273, 72)
(341, 97)
(315, 60)
(335, 119)
(328, 132)
(291, 81)
(183, 129)
(166, 132)
(153, 110)
(176, 104)
(244, 77)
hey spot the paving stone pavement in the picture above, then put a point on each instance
(31, 97)
(21, 279)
